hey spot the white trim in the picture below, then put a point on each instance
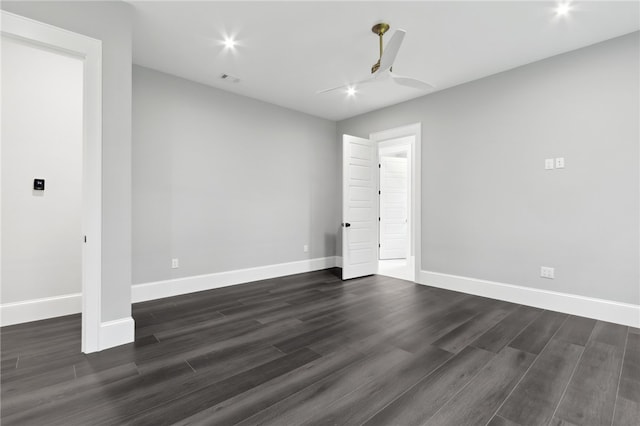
(90, 50)
(416, 168)
(38, 309)
(177, 286)
(116, 333)
(338, 261)
(600, 309)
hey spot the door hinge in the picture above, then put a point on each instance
(85, 238)
(378, 219)
(379, 192)
(379, 166)
(378, 245)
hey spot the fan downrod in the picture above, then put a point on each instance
(379, 29)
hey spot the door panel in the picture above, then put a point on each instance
(359, 254)
(393, 208)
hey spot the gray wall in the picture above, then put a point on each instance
(224, 182)
(110, 22)
(491, 211)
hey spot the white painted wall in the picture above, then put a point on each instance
(41, 138)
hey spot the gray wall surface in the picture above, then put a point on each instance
(224, 182)
(110, 22)
(490, 210)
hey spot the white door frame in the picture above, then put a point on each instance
(414, 130)
(90, 51)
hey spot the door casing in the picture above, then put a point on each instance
(89, 50)
(414, 130)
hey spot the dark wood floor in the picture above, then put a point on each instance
(311, 349)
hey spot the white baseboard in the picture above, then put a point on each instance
(38, 309)
(116, 333)
(177, 286)
(600, 309)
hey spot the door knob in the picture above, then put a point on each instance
(346, 225)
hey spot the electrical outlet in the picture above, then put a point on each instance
(175, 263)
(547, 272)
(305, 248)
(560, 163)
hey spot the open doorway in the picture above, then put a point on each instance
(394, 207)
(398, 153)
(361, 217)
(51, 176)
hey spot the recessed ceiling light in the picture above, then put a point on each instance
(351, 91)
(229, 42)
(563, 9)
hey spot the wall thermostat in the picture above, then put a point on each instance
(38, 184)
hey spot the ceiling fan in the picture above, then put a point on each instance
(383, 69)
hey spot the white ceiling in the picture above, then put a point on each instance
(287, 51)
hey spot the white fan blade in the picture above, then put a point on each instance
(346, 86)
(411, 82)
(391, 51)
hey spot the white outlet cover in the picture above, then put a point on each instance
(547, 272)
(560, 163)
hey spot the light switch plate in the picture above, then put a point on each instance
(548, 164)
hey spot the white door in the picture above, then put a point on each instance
(393, 208)
(359, 213)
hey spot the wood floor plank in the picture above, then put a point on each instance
(534, 401)
(501, 421)
(366, 400)
(9, 364)
(630, 377)
(609, 333)
(65, 390)
(202, 344)
(26, 380)
(437, 325)
(627, 412)
(297, 408)
(246, 404)
(423, 400)
(478, 402)
(537, 334)
(576, 330)
(94, 402)
(464, 334)
(212, 394)
(502, 333)
(559, 422)
(591, 394)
